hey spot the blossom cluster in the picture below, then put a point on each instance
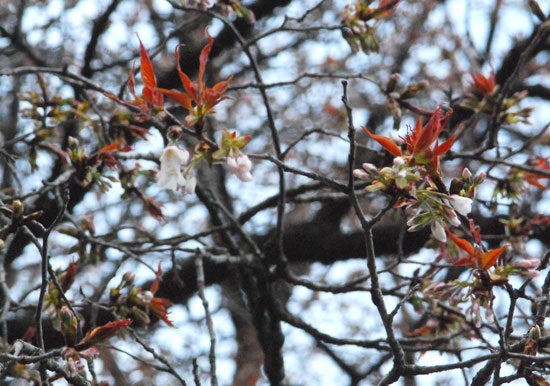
(416, 184)
(176, 163)
(415, 180)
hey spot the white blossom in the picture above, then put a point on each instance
(438, 231)
(398, 161)
(172, 160)
(462, 205)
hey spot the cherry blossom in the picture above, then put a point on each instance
(172, 160)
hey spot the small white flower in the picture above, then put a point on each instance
(452, 218)
(172, 160)
(462, 205)
(398, 161)
(240, 165)
(145, 297)
(438, 231)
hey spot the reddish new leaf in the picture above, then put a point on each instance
(386, 143)
(203, 59)
(490, 258)
(461, 243)
(102, 333)
(179, 97)
(147, 72)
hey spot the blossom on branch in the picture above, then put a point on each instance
(462, 205)
(172, 161)
(236, 161)
(240, 164)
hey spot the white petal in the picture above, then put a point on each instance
(190, 185)
(462, 205)
(244, 162)
(438, 231)
(231, 163)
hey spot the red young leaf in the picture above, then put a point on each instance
(131, 81)
(147, 72)
(461, 243)
(158, 307)
(490, 257)
(445, 146)
(386, 143)
(203, 60)
(113, 146)
(179, 97)
(155, 284)
(102, 333)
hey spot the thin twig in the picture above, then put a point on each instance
(209, 323)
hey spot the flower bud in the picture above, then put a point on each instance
(480, 178)
(140, 316)
(398, 161)
(535, 333)
(128, 278)
(392, 82)
(18, 208)
(360, 174)
(73, 142)
(369, 167)
(438, 231)
(527, 263)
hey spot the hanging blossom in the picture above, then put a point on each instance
(236, 161)
(240, 164)
(175, 172)
(172, 160)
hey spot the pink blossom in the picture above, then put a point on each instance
(240, 165)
